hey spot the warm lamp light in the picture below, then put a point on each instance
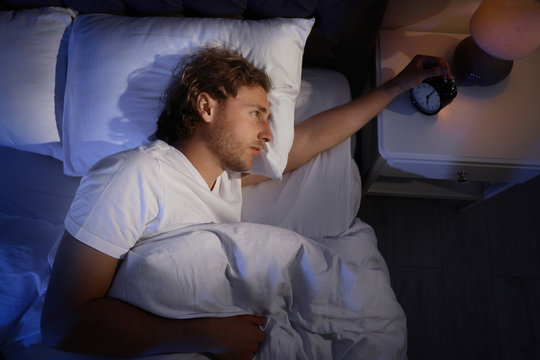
(501, 31)
(507, 29)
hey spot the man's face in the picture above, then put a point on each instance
(242, 129)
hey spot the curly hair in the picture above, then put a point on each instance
(217, 71)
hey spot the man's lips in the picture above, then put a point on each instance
(256, 149)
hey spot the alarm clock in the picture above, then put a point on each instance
(433, 94)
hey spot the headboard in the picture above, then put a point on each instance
(342, 38)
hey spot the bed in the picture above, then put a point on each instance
(82, 79)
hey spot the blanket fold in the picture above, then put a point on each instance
(327, 298)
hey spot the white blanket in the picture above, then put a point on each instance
(324, 299)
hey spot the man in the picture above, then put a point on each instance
(215, 122)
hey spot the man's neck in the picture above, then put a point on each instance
(201, 159)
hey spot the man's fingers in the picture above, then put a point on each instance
(258, 320)
(428, 61)
(434, 66)
(443, 69)
(438, 71)
(444, 72)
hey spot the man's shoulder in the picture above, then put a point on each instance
(150, 152)
(138, 159)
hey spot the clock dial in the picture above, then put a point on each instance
(426, 98)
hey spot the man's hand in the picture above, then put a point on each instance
(236, 337)
(79, 317)
(420, 68)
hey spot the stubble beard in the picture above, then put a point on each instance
(230, 153)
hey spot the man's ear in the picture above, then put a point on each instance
(206, 106)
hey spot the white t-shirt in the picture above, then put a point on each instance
(139, 193)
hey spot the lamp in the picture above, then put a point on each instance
(501, 31)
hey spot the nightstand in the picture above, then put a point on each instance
(485, 141)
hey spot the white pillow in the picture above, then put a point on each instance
(322, 197)
(120, 66)
(32, 76)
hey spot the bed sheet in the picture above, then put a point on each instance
(35, 196)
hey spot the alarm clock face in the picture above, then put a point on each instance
(433, 94)
(426, 98)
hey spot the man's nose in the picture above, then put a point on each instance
(266, 132)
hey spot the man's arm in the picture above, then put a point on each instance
(78, 317)
(329, 128)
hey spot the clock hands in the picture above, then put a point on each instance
(427, 97)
